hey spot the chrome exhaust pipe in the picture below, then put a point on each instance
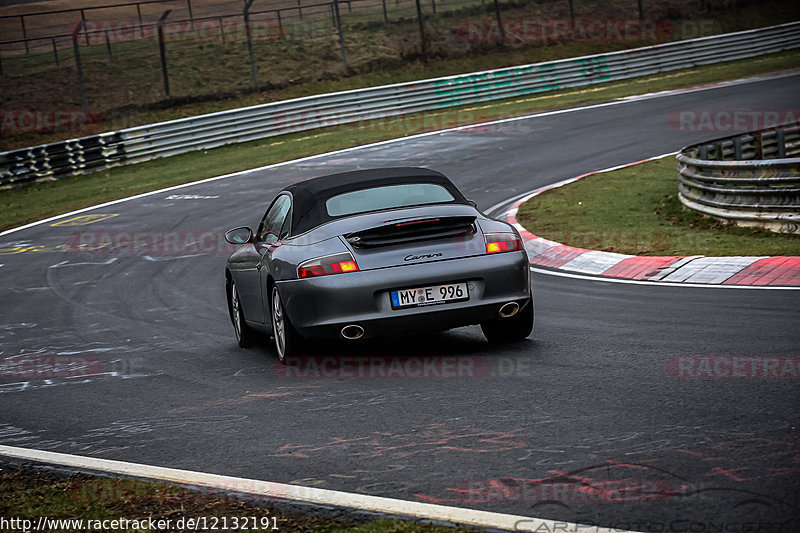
(352, 332)
(509, 309)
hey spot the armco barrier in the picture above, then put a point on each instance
(751, 179)
(133, 145)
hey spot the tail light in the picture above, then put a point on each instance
(330, 264)
(502, 242)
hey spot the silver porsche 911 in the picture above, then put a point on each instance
(370, 252)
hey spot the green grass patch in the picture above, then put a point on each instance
(20, 206)
(26, 495)
(636, 211)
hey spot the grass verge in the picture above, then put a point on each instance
(20, 206)
(635, 210)
(26, 495)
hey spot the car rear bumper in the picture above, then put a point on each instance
(320, 307)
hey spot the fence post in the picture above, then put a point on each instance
(86, 33)
(55, 50)
(571, 17)
(385, 15)
(162, 49)
(422, 33)
(79, 67)
(108, 47)
(341, 34)
(139, 14)
(433, 3)
(221, 30)
(500, 22)
(24, 33)
(253, 66)
(191, 16)
(300, 9)
(641, 13)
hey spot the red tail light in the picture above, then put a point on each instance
(330, 264)
(502, 242)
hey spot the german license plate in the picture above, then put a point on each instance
(436, 294)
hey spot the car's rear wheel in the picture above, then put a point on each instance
(287, 342)
(512, 329)
(244, 335)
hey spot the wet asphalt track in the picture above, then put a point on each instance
(583, 422)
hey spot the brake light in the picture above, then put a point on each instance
(324, 266)
(502, 242)
(426, 221)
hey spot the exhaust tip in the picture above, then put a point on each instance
(509, 309)
(352, 332)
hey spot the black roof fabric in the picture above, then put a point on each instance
(309, 196)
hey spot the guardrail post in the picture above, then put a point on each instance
(422, 33)
(253, 66)
(758, 145)
(341, 34)
(780, 137)
(79, 67)
(162, 49)
(499, 22)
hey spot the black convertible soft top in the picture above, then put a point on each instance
(309, 196)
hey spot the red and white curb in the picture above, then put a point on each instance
(697, 269)
(323, 497)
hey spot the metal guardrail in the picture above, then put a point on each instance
(752, 179)
(143, 143)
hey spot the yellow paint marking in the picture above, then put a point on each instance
(84, 220)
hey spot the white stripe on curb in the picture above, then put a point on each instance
(282, 491)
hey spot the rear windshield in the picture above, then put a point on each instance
(388, 197)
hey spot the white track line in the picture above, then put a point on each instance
(620, 101)
(282, 491)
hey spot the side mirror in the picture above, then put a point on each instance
(473, 203)
(241, 235)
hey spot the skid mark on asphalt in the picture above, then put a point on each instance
(119, 435)
(435, 438)
(744, 459)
